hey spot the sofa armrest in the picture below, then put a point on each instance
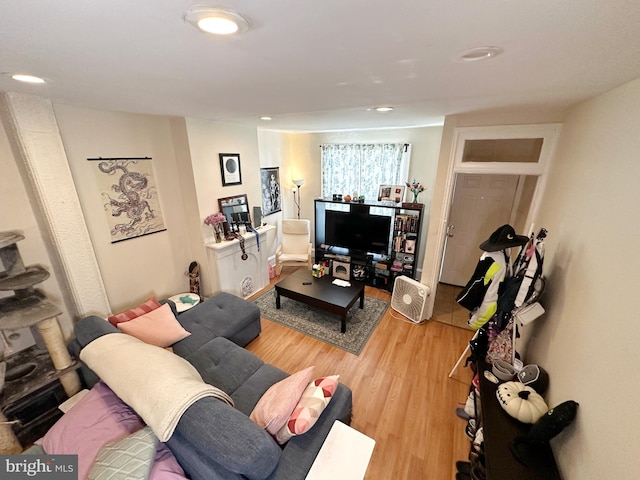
(212, 436)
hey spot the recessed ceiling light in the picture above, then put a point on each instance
(218, 21)
(478, 53)
(266, 118)
(27, 78)
(383, 108)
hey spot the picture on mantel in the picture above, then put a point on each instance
(270, 186)
(130, 197)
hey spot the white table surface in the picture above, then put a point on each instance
(181, 304)
(344, 455)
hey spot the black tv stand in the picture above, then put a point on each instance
(380, 267)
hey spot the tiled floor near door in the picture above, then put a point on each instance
(447, 310)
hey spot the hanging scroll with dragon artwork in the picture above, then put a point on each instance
(129, 197)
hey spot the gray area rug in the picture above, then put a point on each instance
(322, 325)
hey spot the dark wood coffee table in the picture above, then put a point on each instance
(320, 293)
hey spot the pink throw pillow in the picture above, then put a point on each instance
(313, 401)
(132, 313)
(276, 405)
(158, 327)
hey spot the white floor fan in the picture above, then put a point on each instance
(409, 298)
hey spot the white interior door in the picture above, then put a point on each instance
(481, 204)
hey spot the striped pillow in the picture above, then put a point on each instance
(313, 401)
(132, 313)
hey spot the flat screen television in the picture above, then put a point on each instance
(358, 231)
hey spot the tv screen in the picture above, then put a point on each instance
(369, 233)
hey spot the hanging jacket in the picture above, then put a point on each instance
(493, 277)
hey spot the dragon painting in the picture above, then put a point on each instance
(132, 200)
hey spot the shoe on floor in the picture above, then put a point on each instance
(462, 414)
(463, 467)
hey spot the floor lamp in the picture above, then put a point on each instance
(298, 184)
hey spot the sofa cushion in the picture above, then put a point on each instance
(211, 433)
(159, 327)
(223, 315)
(223, 364)
(275, 406)
(247, 395)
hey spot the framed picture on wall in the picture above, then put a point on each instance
(230, 169)
(391, 193)
(270, 186)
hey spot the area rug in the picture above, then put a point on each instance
(322, 325)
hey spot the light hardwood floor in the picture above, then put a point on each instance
(402, 395)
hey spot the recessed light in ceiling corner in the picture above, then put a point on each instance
(383, 108)
(266, 118)
(20, 77)
(218, 21)
(478, 53)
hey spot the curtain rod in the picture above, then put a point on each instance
(406, 145)
(120, 158)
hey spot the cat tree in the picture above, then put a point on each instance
(29, 308)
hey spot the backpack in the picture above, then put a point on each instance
(471, 296)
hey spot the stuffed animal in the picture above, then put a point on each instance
(521, 402)
(527, 448)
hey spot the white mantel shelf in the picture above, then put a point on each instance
(229, 273)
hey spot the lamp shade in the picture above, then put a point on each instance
(299, 182)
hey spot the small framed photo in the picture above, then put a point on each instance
(230, 169)
(271, 194)
(391, 193)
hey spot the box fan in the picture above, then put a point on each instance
(409, 298)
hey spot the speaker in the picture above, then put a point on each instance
(257, 216)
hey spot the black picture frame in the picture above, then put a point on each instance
(230, 169)
(271, 191)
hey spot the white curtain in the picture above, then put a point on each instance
(362, 168)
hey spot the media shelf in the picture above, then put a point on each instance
(377, 240)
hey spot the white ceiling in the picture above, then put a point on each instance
(320, 64)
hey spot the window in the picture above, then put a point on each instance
(362, 168)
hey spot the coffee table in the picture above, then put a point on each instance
(320, 293)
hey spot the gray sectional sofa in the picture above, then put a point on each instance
(213, 440)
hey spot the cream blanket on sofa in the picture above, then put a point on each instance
(156, 383)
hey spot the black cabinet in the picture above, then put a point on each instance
(378, 240)
(499, 429)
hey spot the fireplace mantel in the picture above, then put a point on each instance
(229, 273)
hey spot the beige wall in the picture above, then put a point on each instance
(303, 160)
(432, 255)
(17, 214)
(206, 140)
(134, 269)
(588, 340)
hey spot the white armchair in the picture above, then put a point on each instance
(295, 249)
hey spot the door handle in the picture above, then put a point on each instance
(450, 230)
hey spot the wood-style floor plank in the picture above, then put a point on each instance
(402, 395)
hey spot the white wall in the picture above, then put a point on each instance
(589, 338)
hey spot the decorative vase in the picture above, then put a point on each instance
(217, 230)
(415, 197)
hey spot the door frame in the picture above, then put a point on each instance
(548, 132)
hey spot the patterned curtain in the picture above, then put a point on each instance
(362, 168)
